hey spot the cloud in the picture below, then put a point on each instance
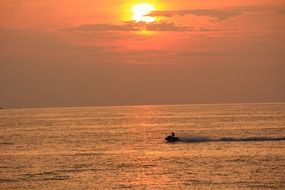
(100, 27)
(168, 24)
(218, 14)
(281, 11)
(161, 26)
(129, 26)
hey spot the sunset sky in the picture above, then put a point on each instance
(124, 52)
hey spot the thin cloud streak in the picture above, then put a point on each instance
(135, 26)
(218, 14)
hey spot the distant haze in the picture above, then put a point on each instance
(59, 53)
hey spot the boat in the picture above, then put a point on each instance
(172, 139)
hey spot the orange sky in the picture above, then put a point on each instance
(83, 52)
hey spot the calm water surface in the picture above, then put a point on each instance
(124, 147)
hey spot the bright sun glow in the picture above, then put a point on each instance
(140, 12)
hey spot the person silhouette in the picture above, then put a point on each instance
(172, 134)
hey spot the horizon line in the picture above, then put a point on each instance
(139, 105)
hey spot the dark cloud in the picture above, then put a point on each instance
(135, 26)
(170, 13)
(218, 14)
(160, 26)
(281, 11)
(101, 27)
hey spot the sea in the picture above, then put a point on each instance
(222, 146)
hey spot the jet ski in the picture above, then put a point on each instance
(172, 139)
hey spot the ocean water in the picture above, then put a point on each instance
(234, 146)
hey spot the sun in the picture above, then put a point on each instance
(141, 11)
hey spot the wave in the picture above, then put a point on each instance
(229, 139)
